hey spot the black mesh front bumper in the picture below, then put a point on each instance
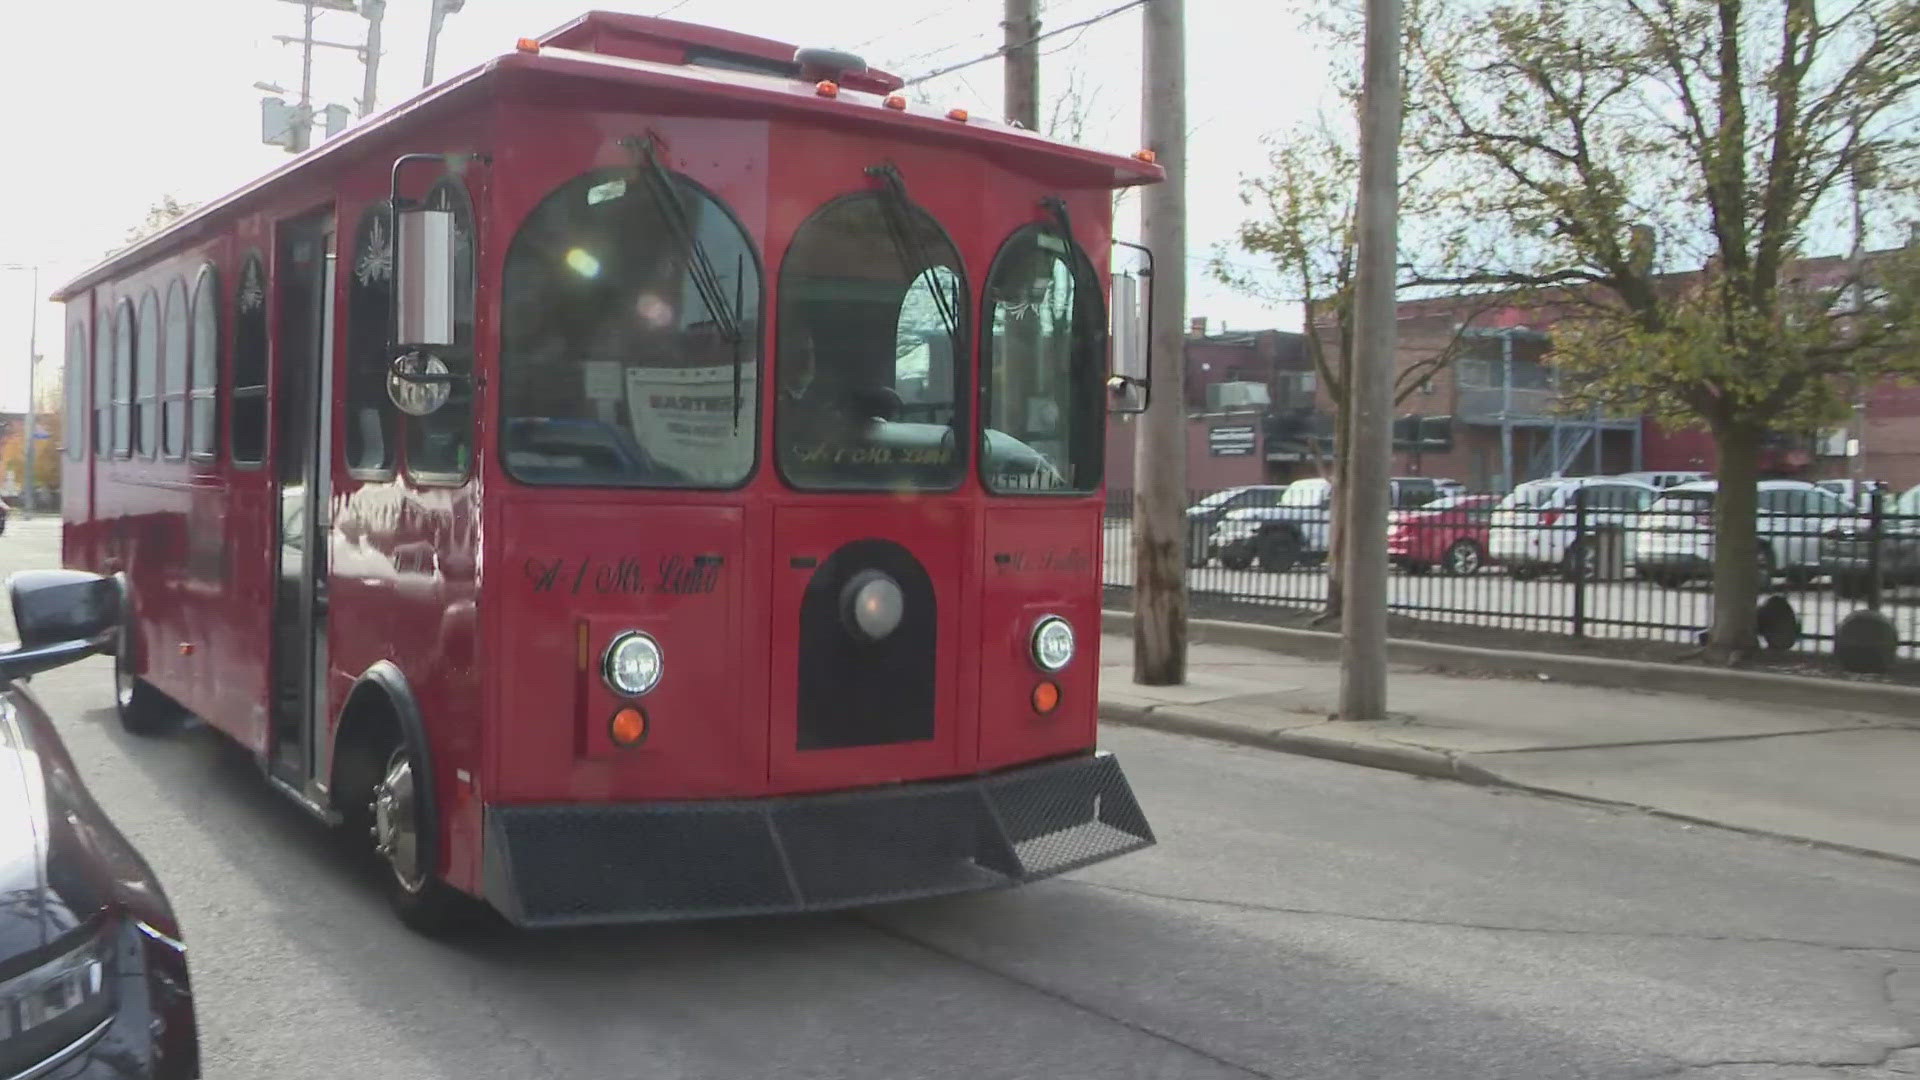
(637, 862)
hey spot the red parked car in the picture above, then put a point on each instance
(1450, 533)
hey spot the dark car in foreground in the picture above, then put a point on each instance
(93, 977)
(1846, 549)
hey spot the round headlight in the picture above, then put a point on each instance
(633, 664)
(873, 603)
(1052, 643)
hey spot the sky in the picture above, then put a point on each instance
(107, 105)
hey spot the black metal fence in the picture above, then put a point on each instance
(1588, 560)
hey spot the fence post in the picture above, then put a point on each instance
(1876, 528)
(1581, 551)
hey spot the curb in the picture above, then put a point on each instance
(1797, 690)
(1405, 759)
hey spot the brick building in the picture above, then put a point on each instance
(1491, 418)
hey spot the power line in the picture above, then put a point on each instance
(1004, 49)
(671, 8)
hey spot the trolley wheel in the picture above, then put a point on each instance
(421, 900)
(142, 709)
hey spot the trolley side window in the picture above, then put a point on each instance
(123, 381)
(103, 383)
(629, 338)
(871, 297)
(203, 411)
(249, 406)
(440, 444)
(146, 377)
(173, 375)
(1044, 325)
(370, 412)
(72, 418)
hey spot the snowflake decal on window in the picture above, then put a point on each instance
(376, 259)
(252, 292)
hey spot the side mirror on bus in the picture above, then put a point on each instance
(62, 616)
(1130, 307)
(423, 276)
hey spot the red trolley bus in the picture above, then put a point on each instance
(655, 474)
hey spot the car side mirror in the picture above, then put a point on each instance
(62, 616)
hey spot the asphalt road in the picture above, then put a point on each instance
(1622, 608)
(1299, 919)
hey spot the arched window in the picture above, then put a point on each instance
(146, 378)
(370, 413)
(872, 331)
(73, 391)
(1044, 324)
(440, 444)
(248, 409)
(203, 378)
(123, 358)
(630, 337)
(103, 383)
(173, 374)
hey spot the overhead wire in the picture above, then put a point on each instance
(1037, 38)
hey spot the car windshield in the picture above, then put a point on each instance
(869, 383)
(1219, 498)
(1528, 496)
(1306, 493)
(1683, 502)
(1043, 368)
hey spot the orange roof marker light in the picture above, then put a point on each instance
(1147, 156)
(827, 88)
(527, 45)
(895, 101)
(957, 114)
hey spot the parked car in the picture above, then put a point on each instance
(5, 512)
(1450, 533)
(93, 977)
(1295, 529)
(1205, 514)
(1845, 552)
(1674, 541)
(1665, 478)
(1533, 530)
(1857, 492)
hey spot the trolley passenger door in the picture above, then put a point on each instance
(302, 348)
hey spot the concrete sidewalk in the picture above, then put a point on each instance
(1839, 778)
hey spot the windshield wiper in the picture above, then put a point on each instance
(897, 209)
(699, 267)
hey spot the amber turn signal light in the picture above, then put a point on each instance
(957, 114)
(628, 727)
(527, 44)
(827, 88)
(1046, 697)
(1147, 156)
(895, 101)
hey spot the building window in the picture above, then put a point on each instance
(248, 409)
(370, 412)
(123, 357)
(74, 392)
(173, 374)
(203, 381)
(440, 444)
(146, 378)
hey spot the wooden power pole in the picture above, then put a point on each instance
(1160, 457)
(1022, 26)
(1363, 648)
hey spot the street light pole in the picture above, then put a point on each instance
(33, 411)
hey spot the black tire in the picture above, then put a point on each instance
(1582, 557)
(1464, 558)
(1800, 578)
(1667, 581)
(1850, 586)
(1279, 551)
(407, 853)
(142, 710)
(1237, 557)
(1417, 568)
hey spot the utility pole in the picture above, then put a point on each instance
(1160, 454)
(306, 75)
(1022, 26)
(1862, 177)
(374, 10)
(441, 9)
(1363, 620)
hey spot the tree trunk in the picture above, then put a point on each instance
(1736, 547)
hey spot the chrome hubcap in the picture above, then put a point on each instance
(1465, 559)
(395, 835)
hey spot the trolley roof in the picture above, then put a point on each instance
(680, 63)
